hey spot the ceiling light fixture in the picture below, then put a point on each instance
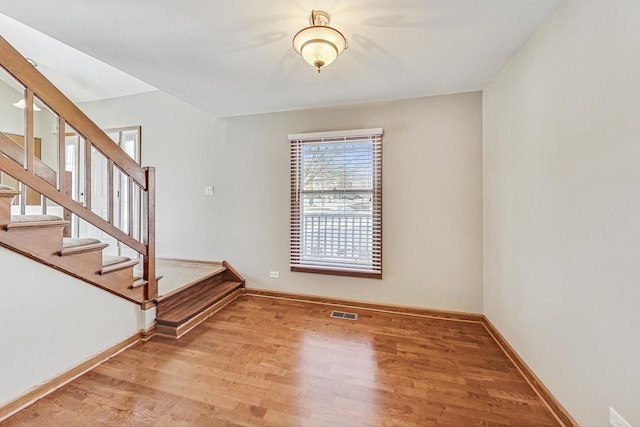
(319, 44)
(21, 103)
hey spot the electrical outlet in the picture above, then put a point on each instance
(208, 191)
(616, 420)
(274, 274)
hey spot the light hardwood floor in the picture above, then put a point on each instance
(263, 361)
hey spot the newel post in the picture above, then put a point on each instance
(149, 260)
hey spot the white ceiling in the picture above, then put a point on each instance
(79, 76)
(235, 57)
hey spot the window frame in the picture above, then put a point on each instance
(297, 142)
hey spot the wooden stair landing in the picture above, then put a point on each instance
(196, 291)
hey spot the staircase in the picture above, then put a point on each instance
(40, 237)
(46, 238)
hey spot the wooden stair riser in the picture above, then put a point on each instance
(36, 242)
(89, 262)
(189, 307)
(182, 311)
(177, 331)
(194, 291)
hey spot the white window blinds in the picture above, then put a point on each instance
(336, 202)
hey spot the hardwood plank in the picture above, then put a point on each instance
(267, 361)
(51, 385)
(557, 409)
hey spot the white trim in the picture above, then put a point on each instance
(335, 134)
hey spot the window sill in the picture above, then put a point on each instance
(337, 272)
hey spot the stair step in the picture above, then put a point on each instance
(72, 246)
(21, 219)
(6, 191)
(116, 263)
(70, 242)
(35, 221)
(194, 304)
(137, 282)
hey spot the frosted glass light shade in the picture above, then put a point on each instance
(22, 105)
(319, 45)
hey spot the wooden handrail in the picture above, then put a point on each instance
(15, 152)
(25, 73)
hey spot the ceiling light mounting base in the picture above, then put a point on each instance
(319, 18)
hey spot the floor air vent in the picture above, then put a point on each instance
(343, 315)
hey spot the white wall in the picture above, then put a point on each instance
(432, 192)
(11, 118)
(562, 206)
(51, 322)
(432, 200)
(178, 140)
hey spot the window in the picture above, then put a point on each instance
(336, 203)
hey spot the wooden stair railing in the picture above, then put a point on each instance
(15, 152)
(34, 174)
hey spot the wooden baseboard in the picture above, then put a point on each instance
(179, 331)
(145, 335)
(541, 390)
(370, 306)
(40, 391)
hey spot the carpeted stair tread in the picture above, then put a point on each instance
(108, 260)
(69, 242)
(75, 246)
(116, 263)
(35, 222)
(22, 219)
